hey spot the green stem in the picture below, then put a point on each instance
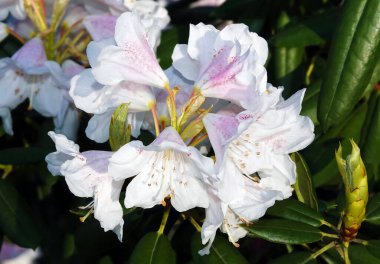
(322, 250)
(346, 257)
(164, 220)
(329, 235)
(360, 241)
(193, 222)
(329, 225)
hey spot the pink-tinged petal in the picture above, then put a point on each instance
(225, 77)
(221, 130)
(168, 138)
(31, 57)
(100, 26)
(230, 110)
(71, 68)
(184, 64)
(74, 15)
(98, 127)
(201, 43)
(128, 161)
(132, 59)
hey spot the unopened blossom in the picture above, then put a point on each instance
(13, 7)
(226, 64)
(86, 174)
(166, 167)
(253, 166)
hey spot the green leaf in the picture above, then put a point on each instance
(304, 186)
(120, 131)
(285, 231)
(294, 210)
(359, 254)
(371, 146)
(153, 248)
(295, 257)
(352, 59)
(22, 156)
(373, 210)
(221, 251)
(374, 247)
(16, 218)
(315, 30)
(169, 39)
(309, 103)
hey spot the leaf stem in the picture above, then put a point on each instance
(360, 241)
(329, 225)
(329, 235)
(164, 220)
(323, 250)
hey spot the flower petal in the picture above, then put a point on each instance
(100, 26)
(98, 127)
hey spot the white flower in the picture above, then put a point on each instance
(132, 59)
(253, 166)
(86, 175)
(167, 167)
(226, 64)
(14, 7)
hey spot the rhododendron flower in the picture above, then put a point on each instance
(253, 166)
(166, 167)
(86, 175)
(226, 64)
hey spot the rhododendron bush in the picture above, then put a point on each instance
(183, 131)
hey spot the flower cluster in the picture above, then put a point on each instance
(215, 99)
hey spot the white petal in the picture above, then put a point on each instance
(70, 124)
(132, 60)
(107, 208)
(95, 47)
(183, 63)
(6, 118)
(98, 127)
(129, 160)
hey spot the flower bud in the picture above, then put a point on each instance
(120, 131)
(356, 191)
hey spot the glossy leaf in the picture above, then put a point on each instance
(352, 59)
(313, 31)
(153, 248)
(373, 210)
(359, 254)
(294, 210)
(374, 248)
(295, 257)
(285, 231)
(309, 103)
(169, 39)
(16, 218)
(304, 186)
(221, 251)
(371, 146)
(22, 156)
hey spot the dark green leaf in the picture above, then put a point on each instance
(294, 210)
(221, 251)
(169, 39)
(359, 254)
(295, 257)
(285, 231)
(371, 146)
(373, 210)
(304, 186)
(153, 248)
(309, 103)
(374, 248)
(16, 218)
(314, 31)
(22, 156)
(352, 59)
